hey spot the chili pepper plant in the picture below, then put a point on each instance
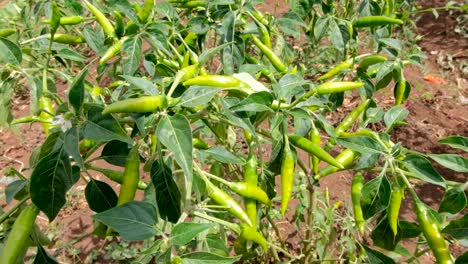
(209, 108)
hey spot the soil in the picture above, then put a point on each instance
(436, 110)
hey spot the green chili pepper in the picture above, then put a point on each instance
(131, 177)
(264, 34)
(287, 175)
(345, 158)
(221, 81)
(113, 50)
(274, 59)
(431, 231)
(375, 21)
(222, 198)
(337, 87)
(333, 87)
(349, 120)
(356, 190)
(144, 13)
(19, 235)
(259, 16)
(67, 39)
(309, 146)
(264, 71)
(189, 40)
(194, 4)
(400, 90)
(199, 144)
(101, 19)
(46, 106)
(369, 61)
(393, 209)
(315, 138)
(247, 190)
(251, 178)
(54, 19)
(116, 176)
(335, 70)
(389, 8)
(144, 104)
(251, 234)
(67, 20)
(28, 119)
(7, 32)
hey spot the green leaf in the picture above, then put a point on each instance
(454, 201)
(50, 181)
(184, 232)
(95, 40)
(197, 95)
(383, 237)
(115, 152)
(69, 54)
(392, 43)
(321, 27)
(71, 140)
(290, 85)
(131, 51)
(375, 196)
(458, 228)
(408, 229)
(207, 258)
(102, 128)
(175, 133)
(42, 257)
(451, 161)
(133, 220)
(216, 245)
(14, 188)
(457, 142)
(361, 144)
(256, 102)
(423, 170)
(338, 37)
(100, 196)
(223, 155)
(289, 24)
(10, 52)
(167, 193)
(236, 118)
(377, 257)
(385, 71)
(76, 94)
(464, 257)
(145, 85)
(208, 54)
(394, 115)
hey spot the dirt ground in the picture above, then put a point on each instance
(436, 110)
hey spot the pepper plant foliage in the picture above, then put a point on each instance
(220, 99)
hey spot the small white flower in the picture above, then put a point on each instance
(59, 120)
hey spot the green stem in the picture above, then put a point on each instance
(12, 209)
(285, 252)
(275, 228)
(213, 219)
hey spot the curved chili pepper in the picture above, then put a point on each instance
(144, 104)
(345, 158)
(356, 190)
